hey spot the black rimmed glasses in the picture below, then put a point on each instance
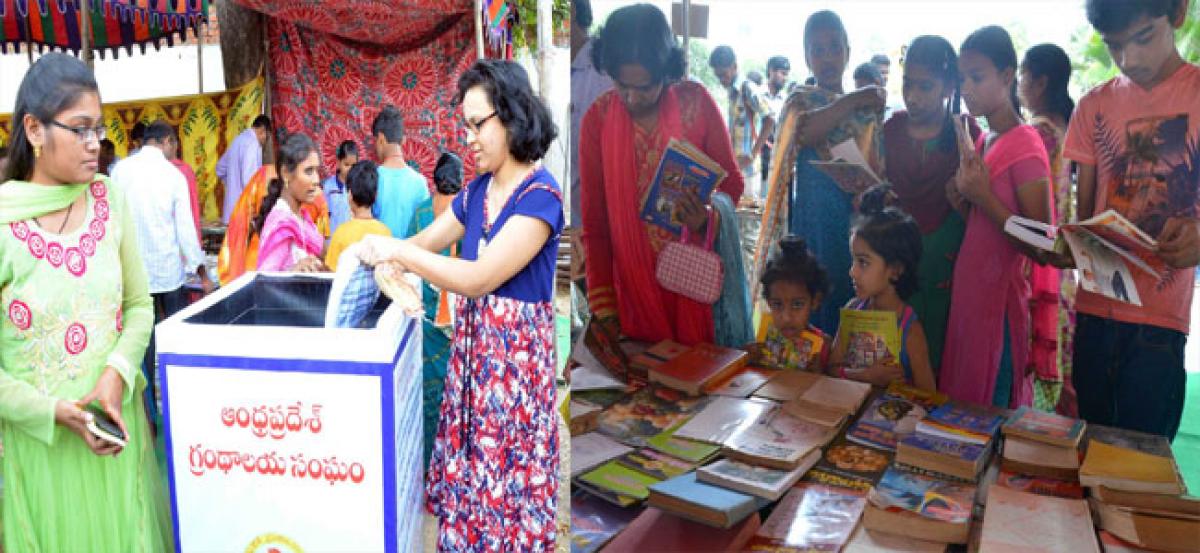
(474, 126)
(83, 134)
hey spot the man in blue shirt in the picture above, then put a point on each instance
(401, 188)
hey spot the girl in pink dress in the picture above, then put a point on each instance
(987, 354)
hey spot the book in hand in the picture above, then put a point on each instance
(682, 169)
(1040, 459)
(871, 336)
(950, 457)
(848, 168)
(810, 517)
(617, 483)
(893, 415)
(688, 497)
(646, 413)
(1019, 521)
(963, 422)
(682, 448)
(851, 466)
(777, 439)
(655, 530)
(764, 482)
(1106, 249)
(921, 507)
(1130, 470)
(1040, 426)
(698, 368)
(594, 522)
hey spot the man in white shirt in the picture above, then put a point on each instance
(158, 199)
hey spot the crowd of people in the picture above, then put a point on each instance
(982, 316)
(98, 250)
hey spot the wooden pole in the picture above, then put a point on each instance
(85, 32)
(479, 24)
(266, 73)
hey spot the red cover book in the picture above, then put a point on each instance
(655, 530)
(698, 367)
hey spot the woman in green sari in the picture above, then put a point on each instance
(436, 328)
(75, 322)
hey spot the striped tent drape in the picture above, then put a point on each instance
(115, 24)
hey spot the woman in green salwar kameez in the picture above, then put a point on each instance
(75, 322)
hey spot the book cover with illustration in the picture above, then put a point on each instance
(845, 464)
(929, 497)
(764, 482)
(811, 517)
(1041, 426)
(646, 413)
(893, 415)
(619, 479)
(683, 168)
(871, 335)
(1039, 485)
(961, 421)
(653, 463)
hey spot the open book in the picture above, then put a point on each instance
(683, 167)
(848, 168)
(1106, 248)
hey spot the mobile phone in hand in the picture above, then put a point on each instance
(102, 426)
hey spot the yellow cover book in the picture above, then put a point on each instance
(869, 335)
(1104, 461)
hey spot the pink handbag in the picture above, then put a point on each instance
(692, 271)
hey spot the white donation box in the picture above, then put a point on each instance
(283, 435)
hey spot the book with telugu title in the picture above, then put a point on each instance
(871, 336)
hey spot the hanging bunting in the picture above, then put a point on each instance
(115, 24)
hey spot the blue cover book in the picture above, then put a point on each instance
(733, 506)
(678, 172)
(962, 422)
(929, 497)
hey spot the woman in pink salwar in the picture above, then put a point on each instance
(288, 239)
(987, 354)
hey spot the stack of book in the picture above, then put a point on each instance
(1136, 491)
(955, 439)
(816, 398)
(626, 480)
(893, 415)
(920, 506)
(649, 359)
(1037, 443)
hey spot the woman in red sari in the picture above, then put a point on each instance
(621, 142)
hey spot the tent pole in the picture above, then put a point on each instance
(29, 35)
(85, 32)
(479, 23)
(545, 25)
(200, 55)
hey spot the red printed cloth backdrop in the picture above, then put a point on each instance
(335, 64)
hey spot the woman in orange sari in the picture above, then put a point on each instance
(622, 139)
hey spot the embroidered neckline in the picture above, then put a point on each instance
(48, 247)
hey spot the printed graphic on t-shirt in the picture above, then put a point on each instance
(1154, 172)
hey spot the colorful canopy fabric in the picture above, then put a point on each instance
(55, 24)
(389, 23)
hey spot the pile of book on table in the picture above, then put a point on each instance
(707, 454)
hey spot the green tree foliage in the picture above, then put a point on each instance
(1095, 65)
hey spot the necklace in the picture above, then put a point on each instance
(64, 221)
